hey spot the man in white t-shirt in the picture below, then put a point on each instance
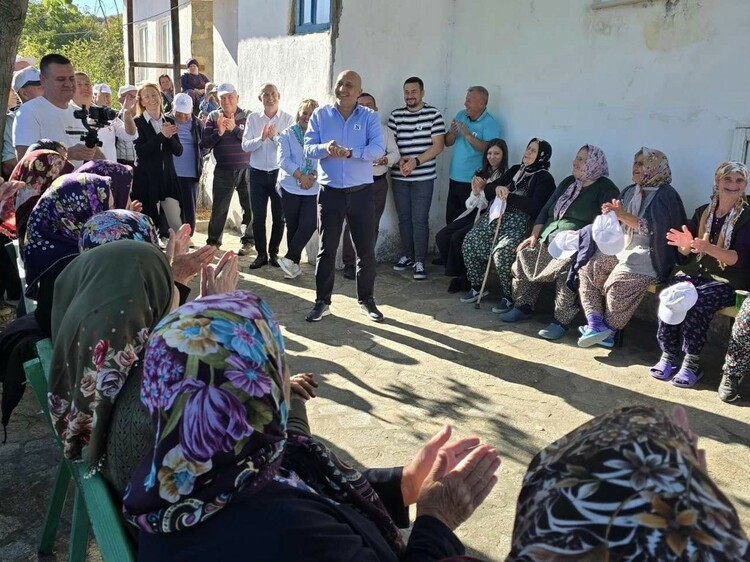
(118, 128)
(51, 115)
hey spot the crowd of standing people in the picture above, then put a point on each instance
(188, 408)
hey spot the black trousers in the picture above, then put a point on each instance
(301, 212)
(263, 189)
(356, 205)
(225, 182)
(380, 195)
(455, 204)
(449, 241)
(189, 188)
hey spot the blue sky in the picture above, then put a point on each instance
(111, 7)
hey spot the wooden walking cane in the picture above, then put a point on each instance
(489, 260)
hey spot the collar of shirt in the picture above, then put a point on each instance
(155, 122)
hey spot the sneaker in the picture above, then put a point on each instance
(350, 271)
(729, 388)
(591, 336)
(515, 315)
(245, 250)
(367, 307)
(318, 311)
(503, 306)
(473, 295)
(553, 331)
(291, 270)
(403, 264)
(419, 271)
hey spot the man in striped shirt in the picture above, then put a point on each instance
(420, 136)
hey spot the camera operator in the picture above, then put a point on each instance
(51, 114)
(115, 127)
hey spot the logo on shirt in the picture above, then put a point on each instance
(242, 127)
(357, 126)
(419, 127)
(474, 135)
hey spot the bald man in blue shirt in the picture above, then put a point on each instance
(346, 138)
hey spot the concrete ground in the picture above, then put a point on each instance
(385, 388)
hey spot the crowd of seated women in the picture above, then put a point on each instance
(188, 409)
(603, 248)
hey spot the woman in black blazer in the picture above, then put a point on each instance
(154, 180)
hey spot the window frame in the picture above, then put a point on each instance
(741, 145)
(314, 27)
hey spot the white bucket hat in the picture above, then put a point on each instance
(675, 301)
(607, 233)
(564, 244)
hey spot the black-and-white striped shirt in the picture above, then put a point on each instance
(414, 131)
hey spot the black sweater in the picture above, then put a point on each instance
(539, 187)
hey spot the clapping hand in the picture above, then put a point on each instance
(223, 279)
(179, 242)
(168, 129)
(187, 266)
(303, 386)
(700, 245)
(613, 206)
(450, 494)
(221, 124)
(681, 238)
(129, 106)
(134, 205)
(230, 123)
(477, 185)
(454, 127)
(336, 151)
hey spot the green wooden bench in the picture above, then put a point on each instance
(93, 505)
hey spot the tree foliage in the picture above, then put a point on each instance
(93, 44)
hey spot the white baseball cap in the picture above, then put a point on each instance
(183, 103)
(607, 233)
(125, 89)
(102, 89)
(225, 88)
(675, 301)
(564, 244)
(26, 76)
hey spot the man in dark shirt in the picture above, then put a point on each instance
(223, 134)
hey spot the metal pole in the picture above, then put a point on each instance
(176, 56)
(129, 31)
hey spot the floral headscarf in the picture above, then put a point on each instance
(120, 174)
(627, 487)
(55, 223)
(101, 317)
(215, 381)
(595, 167)
(37, 170)
(117, 224)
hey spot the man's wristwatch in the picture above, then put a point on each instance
(418, 162)
(350, 153)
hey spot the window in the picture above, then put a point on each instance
(741, 145)
(312, 15)
(599, 4)
(165, 41)
(141, 50)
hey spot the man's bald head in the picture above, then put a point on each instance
(347, 89)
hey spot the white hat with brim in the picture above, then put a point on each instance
(102, 89)
(563, 244)
(607, 233)
(26, 76)
(675, 301)
(225, 88)
(182, 103)
(125, 89)
(30, 60)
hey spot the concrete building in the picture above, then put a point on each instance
(621, 74)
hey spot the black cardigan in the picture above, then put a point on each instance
(285, 524)
(154, 177)
(540, 186)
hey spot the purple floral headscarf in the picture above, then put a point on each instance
(120, 174)
(626, 486)
(117, 224)
(55, 223)
(595, 167)
(106, 301)
(214, 382)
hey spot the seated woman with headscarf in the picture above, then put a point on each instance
(121, 184)
(576, 202)
(525, 190)
(494, 172)
(737, 361)
(194, 83)
(631, 486)
(716, 243)
(226, 479)
(612, 286)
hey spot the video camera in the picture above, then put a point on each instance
(93, 119)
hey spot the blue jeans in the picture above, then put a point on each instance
(413, 200)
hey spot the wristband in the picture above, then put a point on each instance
(418, 162)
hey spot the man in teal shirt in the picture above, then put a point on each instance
(468, 134)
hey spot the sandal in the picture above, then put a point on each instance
(662, 371)
(686, 379)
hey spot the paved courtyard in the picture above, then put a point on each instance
(387, 387)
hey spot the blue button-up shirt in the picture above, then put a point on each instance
(361, 132)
